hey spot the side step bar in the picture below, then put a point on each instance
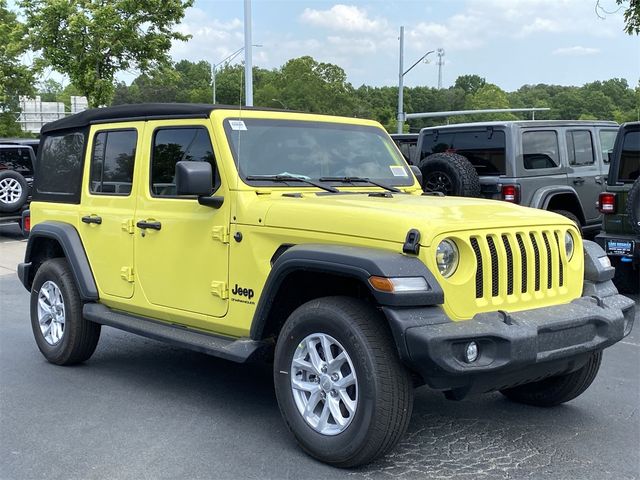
(236, 350)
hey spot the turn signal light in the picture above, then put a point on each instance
(607, 202)
(511, 193)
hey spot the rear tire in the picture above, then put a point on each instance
(63, 336)
(571, 216)
(553, 391)
(382, 394)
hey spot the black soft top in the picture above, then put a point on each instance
(139, 111)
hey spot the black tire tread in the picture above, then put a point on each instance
(395, 402)
(461, 166)
(4, 208)
(571, 216)
(556, 390)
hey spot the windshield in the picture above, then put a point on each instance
(314, 151)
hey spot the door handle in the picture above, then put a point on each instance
(152, 225)
(92, 219)
(578, 181)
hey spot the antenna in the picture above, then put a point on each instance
(440, 63)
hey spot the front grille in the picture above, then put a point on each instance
(531, 259)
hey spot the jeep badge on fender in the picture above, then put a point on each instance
(489, 296)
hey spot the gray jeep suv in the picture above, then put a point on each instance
(553, 165)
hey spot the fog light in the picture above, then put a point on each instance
(471, 352)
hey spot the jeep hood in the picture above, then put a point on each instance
(390, 218)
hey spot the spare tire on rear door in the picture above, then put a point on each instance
(14, 191)
(633, 206)
(451, 174)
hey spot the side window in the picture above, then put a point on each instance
(580, 148)
(112, 162)
(630, 157)
(540, 150)
(607, 140)
(171, 145)
(59, 170)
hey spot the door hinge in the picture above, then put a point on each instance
(219, 289)
(126, 273)
(128, 226)
(220, 233)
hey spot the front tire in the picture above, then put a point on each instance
(63, 336)
(346, 413)
(553, 391)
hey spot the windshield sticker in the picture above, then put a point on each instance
(398, 171)
(237, 125)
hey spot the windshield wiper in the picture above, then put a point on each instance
(290, 178)
(360, 180)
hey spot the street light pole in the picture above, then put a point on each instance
(248, 61)
(401, 74)
(400, 83)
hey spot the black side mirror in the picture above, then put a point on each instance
(417, 172)
(196, 178)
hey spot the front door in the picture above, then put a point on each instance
(584, 173)
(181, 247)
(108, 205)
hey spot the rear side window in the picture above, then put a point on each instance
(630, 157)
(580, 148)
(17, 159)
(607, 140)
(171, 145)
(58, 175)
(540, 150)
(485, 149)
(112, 162)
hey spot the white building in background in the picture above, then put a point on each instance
(35, 112)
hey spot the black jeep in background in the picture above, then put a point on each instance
(620, 204)
(16, 178)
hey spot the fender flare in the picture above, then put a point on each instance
(359, 263)
(69, 240)
(542, 197)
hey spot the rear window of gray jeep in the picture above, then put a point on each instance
(485, 149)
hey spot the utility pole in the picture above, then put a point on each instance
(401, 73)
(248, 61)
(400, 83)
(440, 54)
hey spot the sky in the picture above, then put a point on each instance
(509, 42)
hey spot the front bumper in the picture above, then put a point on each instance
(514, 348)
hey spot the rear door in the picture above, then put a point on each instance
(108, 204)
(584, 173)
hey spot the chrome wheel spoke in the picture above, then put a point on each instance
(313, 354)
(51, 312)
(346, 381)
(349, 404)
(305, 386)
(334, 407)
(324, 384)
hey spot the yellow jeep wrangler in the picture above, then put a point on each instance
(307, 240)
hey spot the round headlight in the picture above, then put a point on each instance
(568, 245)
(447, 257)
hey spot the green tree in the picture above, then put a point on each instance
(470, 83)
(489, 96)
(631, 16)
(15, 78)
(92, 40)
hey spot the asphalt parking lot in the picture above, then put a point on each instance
(141, 409)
